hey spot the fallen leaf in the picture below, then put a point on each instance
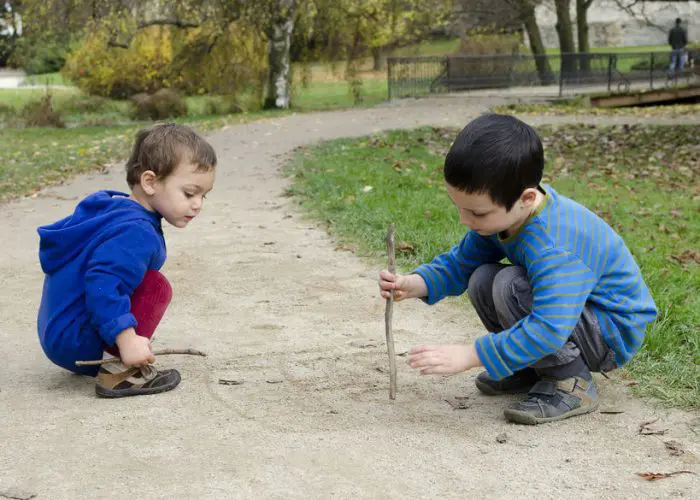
(645, 430)
(674, 448)
(457, 403)
(502, 438)
(653, 476)
(224, 381)
(686, 257)
(611, 411)
(405, 247)
(367, 189)
(363, 344)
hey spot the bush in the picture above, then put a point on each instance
(41, 113)
(195, 62)
(39, 56)
(87, 104)
(98, 69)
(165, 103)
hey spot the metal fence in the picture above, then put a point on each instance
(562, 74)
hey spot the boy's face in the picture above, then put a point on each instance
(179, 197)
(479, 213)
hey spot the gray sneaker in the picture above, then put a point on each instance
(518, 383)
(550, 400)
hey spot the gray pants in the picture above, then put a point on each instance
(501, 295)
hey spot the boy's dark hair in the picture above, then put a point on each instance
(163, 147)
(679, 20)
(498, 155)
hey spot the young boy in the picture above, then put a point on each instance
(103, 293)
(571, 301)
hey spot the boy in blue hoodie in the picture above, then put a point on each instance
(103, 294)
(571, 300)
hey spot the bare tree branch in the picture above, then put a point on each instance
(626, 6)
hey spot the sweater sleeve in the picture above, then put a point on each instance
(449, 273)
(116, 267)
(561, 284)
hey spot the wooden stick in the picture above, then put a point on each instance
(162, 352)
(388, 315)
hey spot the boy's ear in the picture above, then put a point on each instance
(148, 182)
(528, 197)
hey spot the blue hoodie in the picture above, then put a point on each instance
(93, 261)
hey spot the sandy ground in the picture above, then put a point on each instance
(276, 306)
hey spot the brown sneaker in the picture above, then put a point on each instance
(114, 380)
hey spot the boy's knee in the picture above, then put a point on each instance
(154, 282)
(511, 285)
(481, 281)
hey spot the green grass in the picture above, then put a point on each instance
(639, 179)
(577, 106)
(46, 79)
(33, 158)
(320, 96)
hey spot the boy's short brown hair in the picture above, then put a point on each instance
(163, 147)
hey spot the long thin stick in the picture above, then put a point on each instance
(162, 352)
(388, 315)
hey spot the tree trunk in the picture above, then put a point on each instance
(279, 43)
(379, 58)
(566, 36)
(582, 27)
(536, 45)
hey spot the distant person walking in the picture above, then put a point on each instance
(677, 39)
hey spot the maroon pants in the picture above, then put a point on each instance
(148, 304)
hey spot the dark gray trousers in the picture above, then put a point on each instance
(502, 296)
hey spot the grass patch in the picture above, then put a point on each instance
(578, 107)
(33, 158)
(640, 179)
(46, 79)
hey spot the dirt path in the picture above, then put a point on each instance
(266, 294)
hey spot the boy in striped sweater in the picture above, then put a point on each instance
(571, 300)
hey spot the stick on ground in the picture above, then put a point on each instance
(162, 352)
(388, 315)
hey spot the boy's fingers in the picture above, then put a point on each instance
(419, 349)
(387, 276)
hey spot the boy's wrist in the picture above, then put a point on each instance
(418, 289)
(125, 336)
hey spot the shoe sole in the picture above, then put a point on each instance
(490, 391)
(525, 418)
(103, 392)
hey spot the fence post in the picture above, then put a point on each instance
(651, 72)
(610, 66)
(561, 74)
(388, 77)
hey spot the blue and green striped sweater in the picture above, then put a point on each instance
(572, 257)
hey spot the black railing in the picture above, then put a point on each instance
(615, 72)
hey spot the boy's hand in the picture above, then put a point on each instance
(404, 287)
(134, 350)
(443, 359)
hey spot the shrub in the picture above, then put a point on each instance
(196, 62)
(40, 55)
(165, 103)
(41, 113)
(87, 104)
